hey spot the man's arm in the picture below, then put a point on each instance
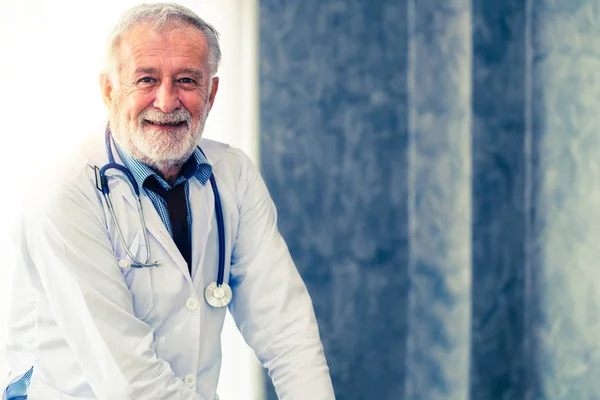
(271, 305)
(78, 275)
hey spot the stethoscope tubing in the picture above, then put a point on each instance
(112, 164)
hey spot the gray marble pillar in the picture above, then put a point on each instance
(502, 354)
(565, 114)
(334, 154)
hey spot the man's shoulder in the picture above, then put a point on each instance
(232, 167)
(223, 156)
(217, 152)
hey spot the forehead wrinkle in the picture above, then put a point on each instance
(142, 52)
(168, 37)
(143, 46)
(170, 47)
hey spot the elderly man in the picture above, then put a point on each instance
(126, 266)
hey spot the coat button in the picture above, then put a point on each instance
(192, 303)
(190, 380)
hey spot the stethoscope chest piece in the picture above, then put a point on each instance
(218, 296)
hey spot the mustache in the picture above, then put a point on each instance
(177, 116)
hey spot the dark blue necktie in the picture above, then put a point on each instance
(178, 215)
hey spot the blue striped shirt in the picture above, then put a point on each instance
(18, 390)
(196, 166)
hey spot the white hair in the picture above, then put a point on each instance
(161, 16)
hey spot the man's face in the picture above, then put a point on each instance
(158, 111)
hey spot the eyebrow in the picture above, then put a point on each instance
(145, 70)
(190, 71)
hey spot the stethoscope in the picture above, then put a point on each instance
(217, 294)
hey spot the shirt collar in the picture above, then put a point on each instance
(196, 166)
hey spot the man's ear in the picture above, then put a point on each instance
(213, 91)
(106, 89)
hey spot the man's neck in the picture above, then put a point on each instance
(169, 172)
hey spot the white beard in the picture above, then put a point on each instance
(159, 150)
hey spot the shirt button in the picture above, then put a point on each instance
(192, 304)
(190, 380)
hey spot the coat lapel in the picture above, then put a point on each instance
(154, 224)
(203, 214)
(202, 206)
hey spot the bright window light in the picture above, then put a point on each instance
(52, 52)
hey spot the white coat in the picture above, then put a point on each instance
(95, 330)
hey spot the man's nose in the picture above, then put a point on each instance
(167, 97)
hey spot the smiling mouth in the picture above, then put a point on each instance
(166, 123)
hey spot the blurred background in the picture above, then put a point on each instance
(434, 164)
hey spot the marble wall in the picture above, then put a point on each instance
(435, 167)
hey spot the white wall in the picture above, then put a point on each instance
(50, 54)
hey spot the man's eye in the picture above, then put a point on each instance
(186, 80)
(146, 79)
